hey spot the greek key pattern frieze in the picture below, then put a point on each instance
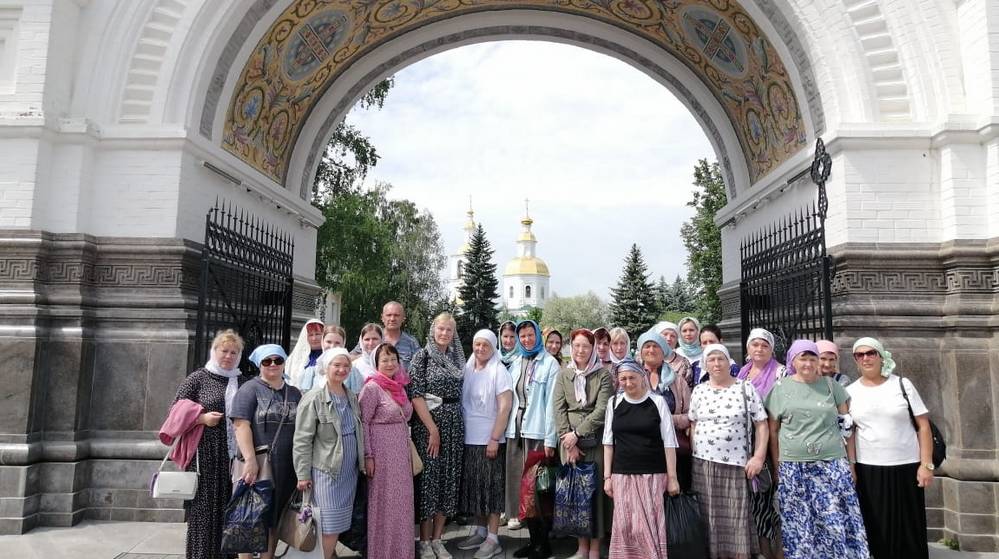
(142, 274)
(18, 269)
(885, 281)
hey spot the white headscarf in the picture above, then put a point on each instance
(366, 362)
(230, 394)
(494, 366)
(299, 356)
(579, 375)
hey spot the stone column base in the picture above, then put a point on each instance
(97, 334)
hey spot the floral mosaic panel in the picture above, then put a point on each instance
(314, 41)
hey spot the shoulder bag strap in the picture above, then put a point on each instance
(908, 404)
(197, 457)
(749, 422)
(270, 449)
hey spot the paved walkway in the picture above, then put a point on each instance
(148, 540)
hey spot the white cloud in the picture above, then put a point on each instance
(603, 151)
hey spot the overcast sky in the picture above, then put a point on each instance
(604, 153)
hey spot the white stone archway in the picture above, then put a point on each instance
(113, 124)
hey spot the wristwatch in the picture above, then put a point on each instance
(929, 466)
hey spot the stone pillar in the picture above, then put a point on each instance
(97, 332)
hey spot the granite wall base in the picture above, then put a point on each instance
(97, 333)
(934, 306)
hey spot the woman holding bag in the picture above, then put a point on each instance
(263, 414)
(582, 390)
(724, 457)
(328, 448)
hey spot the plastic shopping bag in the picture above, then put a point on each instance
(245, 528)
(575, 486)
(686, 535)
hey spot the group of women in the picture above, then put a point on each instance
(786, 461)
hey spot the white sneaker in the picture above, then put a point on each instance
(488, 549)
(471, 542)
(514, 524)
(426, 550)
(439, 550)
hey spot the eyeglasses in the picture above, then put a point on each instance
(858, 355)
(268, 361)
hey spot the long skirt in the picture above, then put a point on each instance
(725, 507)
(335, 495)
(819, 511)
(483, 482)
(894, 510)
(516, 455)
(437, 487)
(639, 527)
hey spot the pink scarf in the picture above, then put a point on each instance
(395, 388)
(764, 381)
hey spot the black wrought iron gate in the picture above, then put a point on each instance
(246, 281)
(786, 272)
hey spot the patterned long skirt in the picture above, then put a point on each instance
(639, 527)
(483, 482)
(819, 510)
(437, 486)
(725, 508)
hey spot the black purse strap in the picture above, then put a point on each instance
(750, 438)
(284, 405)
(908, 404)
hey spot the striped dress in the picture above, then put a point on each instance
(335, 495)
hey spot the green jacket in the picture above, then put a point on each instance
(318, 441)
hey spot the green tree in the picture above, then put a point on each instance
(372, 250)
(580, 311)
(349, 154)
(702, 238)
(661, 293)
(479, 290)
(534, 313)
(633, 306)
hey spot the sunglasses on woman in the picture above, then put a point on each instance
(858, 355)
(268, 361)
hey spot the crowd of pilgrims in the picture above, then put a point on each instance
(672, 413)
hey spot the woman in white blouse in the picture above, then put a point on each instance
(721, 411)
(894, 457)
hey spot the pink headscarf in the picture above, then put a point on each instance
(395, 386)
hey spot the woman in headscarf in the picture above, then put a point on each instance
(553, 343)
(809, 418)
(602, 347)
(640, 460)
(829, 362)
(263, 415)
(680, 365)
(328, 450)
(620, 349)
(385, 412)
(486, 398)
(690, 339)
(580, 399)
(725, 456)
(435, 385)
(655, 353)
(894, 459)
(301, 364)
(531, 426)
(371, 335)
(214, 386)
(762, 371)
(507, 343)
(711, 334)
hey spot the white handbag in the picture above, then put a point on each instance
(176, 485)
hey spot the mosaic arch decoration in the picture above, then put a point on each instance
(313, 41)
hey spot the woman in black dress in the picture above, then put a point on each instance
(213, 386)
(437, 373)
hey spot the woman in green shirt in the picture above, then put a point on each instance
(809, 419)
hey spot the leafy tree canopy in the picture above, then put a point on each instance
(580, 311)
(702, 238)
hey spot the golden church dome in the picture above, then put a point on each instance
(529, 266)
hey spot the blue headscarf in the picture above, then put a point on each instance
(666, 373)
(267, 350)
(539, 344)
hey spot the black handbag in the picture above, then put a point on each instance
(763, 481)
(939, 445)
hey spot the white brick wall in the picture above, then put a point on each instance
(980, 85)
(992, 185)
(962, 191)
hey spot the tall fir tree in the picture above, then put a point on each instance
(479, 289)
(702, 238)
(634, 305)
(661, 292)
(682, 296)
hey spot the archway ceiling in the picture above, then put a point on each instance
(312, 42)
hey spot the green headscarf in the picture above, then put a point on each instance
(887, 363)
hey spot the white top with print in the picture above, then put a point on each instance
(720, 434)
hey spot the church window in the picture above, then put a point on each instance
(461, 268)
(542, 293)
(527, 291)
(511, 292)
